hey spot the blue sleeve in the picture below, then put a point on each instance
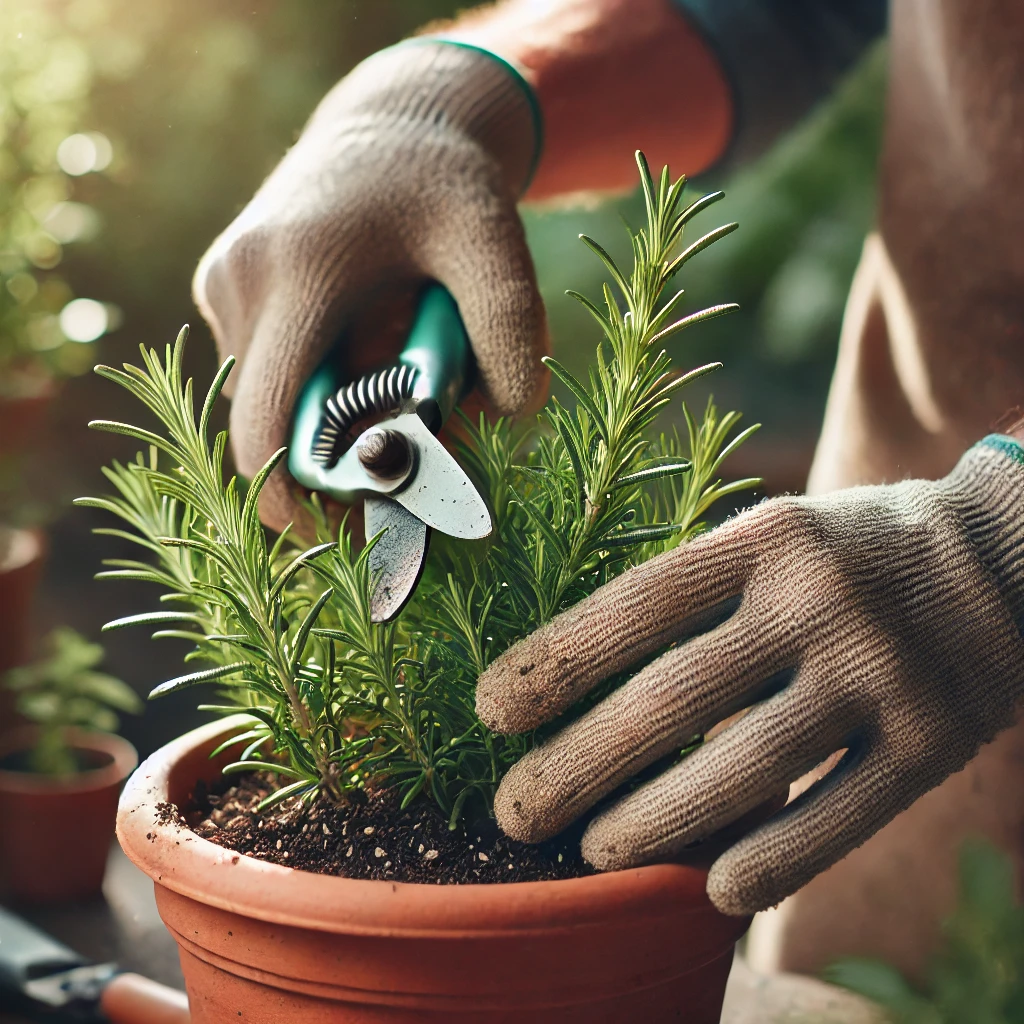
(781, 57)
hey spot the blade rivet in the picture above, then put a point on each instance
(384, 453)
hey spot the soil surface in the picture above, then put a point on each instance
(371, 838)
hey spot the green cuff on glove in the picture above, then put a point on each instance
(517, 77)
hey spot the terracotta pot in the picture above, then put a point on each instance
(21, 565)
(22, 418)
(55, 832)
(268, 944)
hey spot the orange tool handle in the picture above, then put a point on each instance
(132, 999)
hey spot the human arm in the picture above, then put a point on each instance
(611, 77)
(685, 81)
(883, 621)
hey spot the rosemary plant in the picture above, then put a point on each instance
(335, 702)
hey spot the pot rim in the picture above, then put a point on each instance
(124, 758)
(178, 859)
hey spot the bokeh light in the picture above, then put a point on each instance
(84, 152)
(71, 222)
(84, 320)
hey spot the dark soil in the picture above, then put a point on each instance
(371, 838)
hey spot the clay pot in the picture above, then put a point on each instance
(22, 418)
(266, 944)
(21, 565)
(55, 832)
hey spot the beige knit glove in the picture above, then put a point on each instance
(878, 619)
(409, 170)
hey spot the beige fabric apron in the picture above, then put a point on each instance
(931, 358)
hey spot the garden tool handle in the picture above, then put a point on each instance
(438, 353)
(132, 999)
(438, 348)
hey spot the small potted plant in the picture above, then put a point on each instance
(301, 845)
(61, 775)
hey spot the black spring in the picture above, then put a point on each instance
(372, 395)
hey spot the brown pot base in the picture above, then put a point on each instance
(264, 943)
(214, 999)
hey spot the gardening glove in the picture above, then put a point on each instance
(409, 170)
(880, 619)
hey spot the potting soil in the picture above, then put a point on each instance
(371, 838)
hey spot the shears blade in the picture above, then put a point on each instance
(437, 495)
(398, 557)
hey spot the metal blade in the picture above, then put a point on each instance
(396, 561)
(439, 492)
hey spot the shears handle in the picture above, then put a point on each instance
(434, 371)
(438, 349)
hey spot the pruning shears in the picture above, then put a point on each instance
(374, 439)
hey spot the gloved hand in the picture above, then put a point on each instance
(878, 619)
(409, 170)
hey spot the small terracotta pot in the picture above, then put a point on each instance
(22, 418)
(21, 565)
(267, 944)
(55, 832)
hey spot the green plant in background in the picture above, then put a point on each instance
(334, 701)
(978, 975)
(63, 690)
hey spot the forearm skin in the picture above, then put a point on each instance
(612, 76)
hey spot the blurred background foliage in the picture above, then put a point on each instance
(177, 110)
(977, 975)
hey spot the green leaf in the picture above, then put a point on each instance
(236, 767)
(299, 644)
(249, 512)
(145, 436)
(602, 320)
(699, 246)
(641, 534)
(149, 619)
(208, 675)
(301, 788)
(296, 564)
(694, 318)
(694, 208)
(609, 264)
(874, 980)
(580, 394)
(652, 473)
(214, 393)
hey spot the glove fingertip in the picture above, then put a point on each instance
(604, 849)
(517, 811)
(736, 890)
(515, 693)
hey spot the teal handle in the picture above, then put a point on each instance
(437, 348)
